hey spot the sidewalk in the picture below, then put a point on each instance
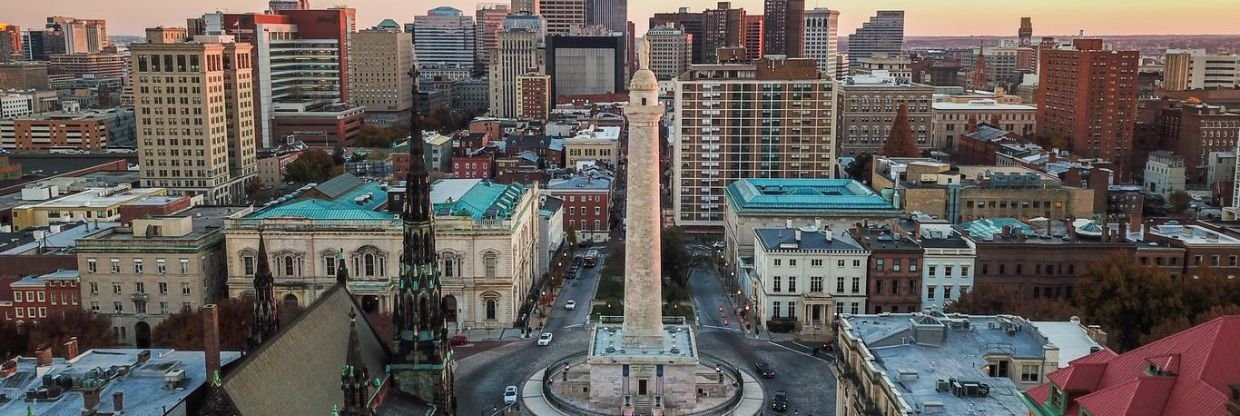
(502, 334)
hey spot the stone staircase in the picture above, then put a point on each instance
(643, 406)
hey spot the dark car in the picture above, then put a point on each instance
(764, 369)
(779, 403)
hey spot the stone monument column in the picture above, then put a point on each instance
(643, 292)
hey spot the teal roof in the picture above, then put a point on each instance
(992, 226)
(359, 203)
(484, 199)
(804, 194)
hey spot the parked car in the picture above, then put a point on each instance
(510, 394)
(764, 369)
(570, 305)
(545, 339)
(779, 403)
(459, 340)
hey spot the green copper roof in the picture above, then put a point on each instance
(803, 194)
(477, 199)
(358, 203)
(992, 226)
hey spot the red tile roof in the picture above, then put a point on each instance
(1199, 363)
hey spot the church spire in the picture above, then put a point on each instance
(266, 323)
(354, 378)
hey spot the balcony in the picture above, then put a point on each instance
(139, 297)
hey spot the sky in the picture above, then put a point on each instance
(922, 17)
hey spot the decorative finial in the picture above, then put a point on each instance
(643, 54)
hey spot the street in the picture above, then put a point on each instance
(487, 368)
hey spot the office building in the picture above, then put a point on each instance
(952, 119)
(1164, 174)
(783, 27)
(754, 32)
(563, 16)
(691, 23)
(81, 130)
(1088, 95)
(11, 47)
(722, 27)
(524, 6)
(445, 37)
(95, 204)
(720, 138)
(820, 38)
(585, 65)
(869, 107)
(897, 66)
(803, 276)
(214, 156)
(1194, 69)
(81, 35)
(66, 68)
(612, 15)
(379, 77)
(520, 48)
(671, 51)
(1194, 130)
(39, 44)
(533, 96)
(488, 21)
(883, 33)
(23, 76)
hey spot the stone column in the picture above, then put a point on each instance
(643, 293)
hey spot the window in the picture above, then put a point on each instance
(1214, 261)
(163, 288)
(839, 285)
(815, 262)
(815, 284)
(775, 284)
(118, 307)
(161, 266)
(368, 264)
(41, 296)
(792, 262)
(998, 369)
(930, 292)
(21, 313)
(839, 308)
(184, 266)
(94, 306)
(1231, 261)
(116, 265)
(490, 261)
(116, 288)
(140, 306)
(912, 265)
(855, 308)
(792, 284)
(895, 265)
(490, 308)
(94, 288)
(187, 306)
(288, 265)
(879, 264)
(329, 264)
(163, 308)
(856, 263)
(947, 292)
(775, 310)
(792, 310)
(932, 271)
(839, 263)
(248, 261)
(964, 271)
(1056, 397)
(878, 287)
(137, 266)
(947, 271)
(184, 289)
(779, 262)
(139, 287)
(92, 266)
(856, 285)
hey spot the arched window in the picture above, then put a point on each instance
(448, 266)
(288, 266)
(491, 306)
(369, 263)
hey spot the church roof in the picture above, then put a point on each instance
(298, 371)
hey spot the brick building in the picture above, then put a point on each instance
(39, 297)
(1193, 130)
(477, 166)
(587, 204)
(1205, 250)
(1088, 95)
(86, 130)
(533, 96)
(893, 277)
(868, 106)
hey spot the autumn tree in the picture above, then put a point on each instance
(1127, 299)
(312, 166)
(993, 299)
(901, 143)
(184, 330)
(92, 330)
(13, 340)
(1179, 201)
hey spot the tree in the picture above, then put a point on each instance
(859, 169)
(184, 330)
(901, 143)
(13, 340)
(1179, 201)
(372, 136)
(1127, 299)
(992, 299)
(570, 235)
(92, 330)
(254, 187)
(312, 166)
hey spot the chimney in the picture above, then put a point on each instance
(1071, 228)
(788, 223)
(90, 401)
(798, 235)
(817, 223)
(118, 401)
(1096, 333)
(43, 355)
(211, 338)
(71, 349)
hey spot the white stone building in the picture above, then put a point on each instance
(1164, 173)
(948, 265)
(808, 276)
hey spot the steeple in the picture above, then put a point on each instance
(979, 68)
(354, 379)
(266, 322)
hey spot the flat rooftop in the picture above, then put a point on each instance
(144, 388)
(805, 239)
(97, 197)
(823, 195)
(608, 341)
(1194, 235)
(207, 219)
(981, 105)
(62, 242)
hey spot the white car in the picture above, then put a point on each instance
(570, 305)
(510, 394)
(545, 339)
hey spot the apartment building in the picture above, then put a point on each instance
(806, 276)
(671, 51)
(868, 107)
(379, 78)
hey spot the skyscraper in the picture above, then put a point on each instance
(379, 75)
(525, 6)
(519, 49)
(610, 14)
(489, 20)
(444, 38)
(670, 51)
(1025, 34)
(1088, 95)
(691, 23)
(783, 25)
(821, 40)
(10, 43)
(754, 36)
(723, 27)
(563, 16)
(884, 33)
(722, 137)
(585, 65)
(81, 35)
(196, 125)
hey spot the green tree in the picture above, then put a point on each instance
(312, 166)
(901, 142)
(1179, 201)
(1127, 299)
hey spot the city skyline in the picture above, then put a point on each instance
(1051, 17)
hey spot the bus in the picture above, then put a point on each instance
(591, 258)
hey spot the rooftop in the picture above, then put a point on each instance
(1071, 338)
(98, 197)
(58, 243)
(805, 195)
(348, 198)
(911, 352)
(1193, 234)
(981, 105)
(806, 239)
(145, 388)
(609, 340)
(476, 198)
(580, 182)
(206, 220)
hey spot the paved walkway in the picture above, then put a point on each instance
(534, 400)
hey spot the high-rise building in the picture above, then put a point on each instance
(10, 43)
(1088, 95)
(39, 44)
(821, 38)
(525, 6)
(1025, 33)
(488, 20)
(81, 35)
(277, 5)
(612, 15)
(67, 67)
(533, 96)
(670, 51)
(754, 39)
(868, 108)
(203, 143)
(585, 65)
(519, 49)
(721, 136)
(563, 16)
(723, 27)
(784, 28)
(691, 23)
(444, 38)
(379, 76)
(1194, 69)
(884, 33)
